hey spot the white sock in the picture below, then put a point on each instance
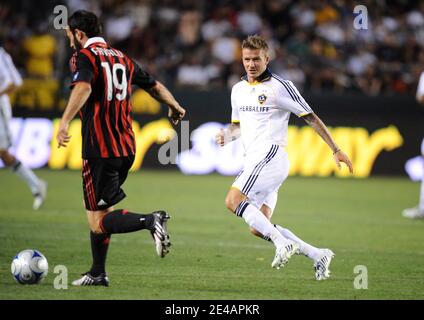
(421, 205)
(305, 248)
(256, 219)
(27, 175)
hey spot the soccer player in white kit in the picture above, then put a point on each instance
(261, 107)
(418, 211)
(9, 80)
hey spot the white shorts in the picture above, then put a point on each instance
(5, 116)
(260, 180)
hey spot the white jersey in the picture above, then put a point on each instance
(8, 73)
(263, 110)
(8, 76)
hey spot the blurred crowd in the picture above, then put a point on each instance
(196, 44)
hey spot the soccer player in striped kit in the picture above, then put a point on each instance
(101, 88)
(261, 106)
(10, 79)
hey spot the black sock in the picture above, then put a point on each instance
(99, 246)
(122, 221)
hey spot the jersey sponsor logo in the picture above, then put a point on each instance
(262, 98)
(253, 109)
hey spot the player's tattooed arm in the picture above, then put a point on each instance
(231, 133)
(316, 123)
(319, 126)
(79, 95)
(163, 95)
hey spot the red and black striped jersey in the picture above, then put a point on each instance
(106, 116)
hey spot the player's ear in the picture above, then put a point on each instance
(79, 34)
(266, 57)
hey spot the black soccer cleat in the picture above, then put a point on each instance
(88, 280)
(160, 233)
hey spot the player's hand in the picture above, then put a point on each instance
(62, 136)
(176, 114)
(340, 156)
(220, 138)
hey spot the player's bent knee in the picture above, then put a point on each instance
(231, 203)
(95, 224)
(95, 228)
(95, 220)
(233, 199)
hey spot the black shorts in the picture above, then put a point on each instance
(102, 179)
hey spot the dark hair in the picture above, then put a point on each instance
(85, 21)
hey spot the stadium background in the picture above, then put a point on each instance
(351, 78)
(361, 82)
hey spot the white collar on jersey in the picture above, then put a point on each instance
(94, 40)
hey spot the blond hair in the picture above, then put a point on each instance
(254, 42)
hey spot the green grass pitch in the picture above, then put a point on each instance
(213, 255)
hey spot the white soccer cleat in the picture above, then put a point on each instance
(160, 233)
(322, 264)
(88, 280)
(413, 213)
(40, 196)
(284, 253)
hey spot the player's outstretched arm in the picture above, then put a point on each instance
(231, 133)
(163, 95)
(319, 126)
(79, 96)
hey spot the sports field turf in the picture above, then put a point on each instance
(213, 255)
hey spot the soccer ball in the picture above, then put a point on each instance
(29, 267)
